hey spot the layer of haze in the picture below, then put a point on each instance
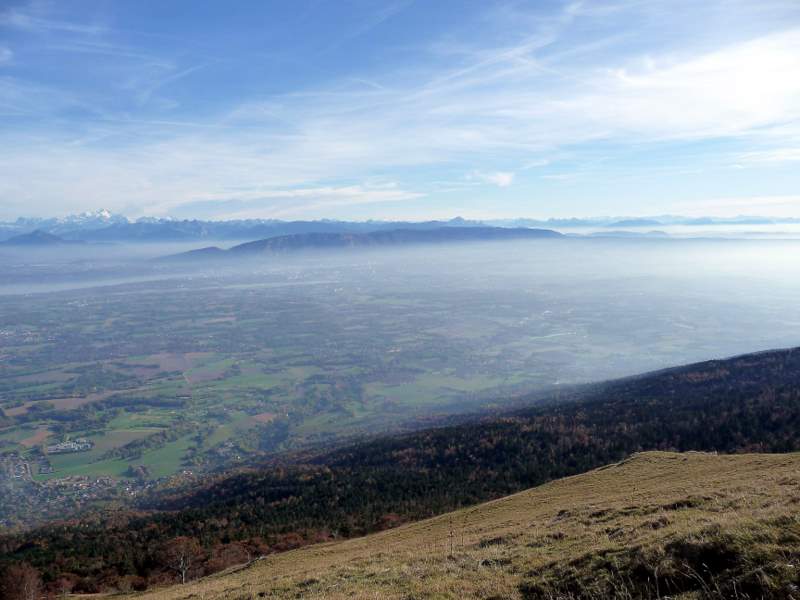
(546, 311)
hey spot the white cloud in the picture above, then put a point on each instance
(727, 92)
(6, 55)
(498, 178)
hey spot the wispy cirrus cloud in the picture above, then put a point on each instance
(771, 156)
(293, 202)
(533, 88)
(36, 17)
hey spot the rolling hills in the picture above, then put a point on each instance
(656, 525)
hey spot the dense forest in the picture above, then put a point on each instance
(745, 404)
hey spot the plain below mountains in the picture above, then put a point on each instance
(395, 237)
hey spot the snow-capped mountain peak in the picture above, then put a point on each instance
(102, 215)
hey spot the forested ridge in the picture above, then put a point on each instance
(744, 404)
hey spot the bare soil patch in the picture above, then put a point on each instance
(39, 436)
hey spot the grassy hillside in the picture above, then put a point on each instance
(658, 524)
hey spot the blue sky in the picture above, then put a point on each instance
(356, 109)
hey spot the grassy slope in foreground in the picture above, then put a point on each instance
(701, 522)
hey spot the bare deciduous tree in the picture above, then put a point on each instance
(182, 555)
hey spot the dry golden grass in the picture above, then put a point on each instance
(495, 550)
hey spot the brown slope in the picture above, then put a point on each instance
(702, 522)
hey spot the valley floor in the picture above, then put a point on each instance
(659, 524)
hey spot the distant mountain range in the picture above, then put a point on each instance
(105, 226)
(395, 237)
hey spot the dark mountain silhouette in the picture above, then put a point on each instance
(394, 237)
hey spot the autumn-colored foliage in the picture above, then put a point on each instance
(20, 582)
